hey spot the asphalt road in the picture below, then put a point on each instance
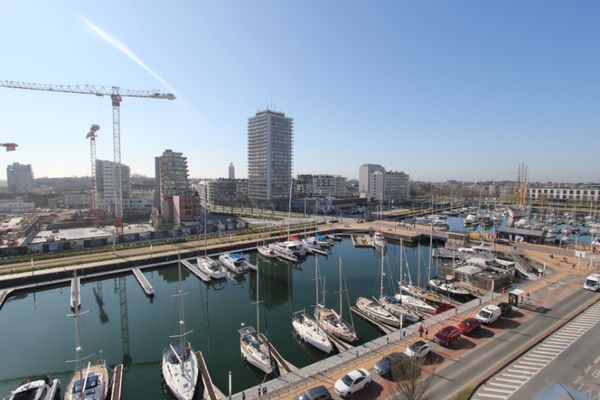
(578, 366)
(458, 374)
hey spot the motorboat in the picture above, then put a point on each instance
(211, 267)
(312, 246)
(35, 388)
(255, 350)
(266, 251)
(296, 246)
(283, 252)
(235, 262)
(179, 366)
(323, 241)
(379, 240)
(309, 331)
(423, 294)
(332, 323)
(377, 312)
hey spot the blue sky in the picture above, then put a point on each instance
(438, 89)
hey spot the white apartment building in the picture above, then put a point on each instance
(389, 186)
(105, 184)
(270, 138)
(363, 176)
(580, 193)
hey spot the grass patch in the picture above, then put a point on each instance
(463, 394)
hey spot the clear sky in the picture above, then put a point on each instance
(438, 89)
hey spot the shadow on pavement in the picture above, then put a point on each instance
(433, 359)
(464, 344)
(372, 391)
(482, 333)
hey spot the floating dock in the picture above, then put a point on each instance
(210, 390)
(338, 343)
(117, 382)
(75, 298)
(146, 286)
(285, 366)
(4, 295)
(382, 327)
(199, 274)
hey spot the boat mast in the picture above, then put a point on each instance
(430, 253)
(181, 321)
(381, 283)
(289, 210)
(340, 273)
(205, 232)
(419, 264)
(78, 348)
(257, 296)
(401, 259)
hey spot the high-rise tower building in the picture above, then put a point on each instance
(363, 176)
(270, 138)
(105, 183)
(19, 178)
(172, 173)
(231, 171)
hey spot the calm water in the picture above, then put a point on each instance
(36, 336)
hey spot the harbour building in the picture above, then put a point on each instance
(19, 178)
(270, 139)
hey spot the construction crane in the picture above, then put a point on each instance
(10, 146)
(93, 201)
(116, 95)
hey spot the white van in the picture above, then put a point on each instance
(592, 282)
(489, 314)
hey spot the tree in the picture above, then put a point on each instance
(411, 382)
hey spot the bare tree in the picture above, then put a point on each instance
(411, 382)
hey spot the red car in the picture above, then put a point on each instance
(446, 336)
(469, 325)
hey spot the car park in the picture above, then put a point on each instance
(352, 382)
(418, 349)
(505, 308)
(315, 393)
(469, 325)
(447, 335)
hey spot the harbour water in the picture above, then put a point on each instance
(36, 336)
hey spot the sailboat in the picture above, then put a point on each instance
(265, 250)
(309, 329)
(179, 363)
(409, 300)
(253, 348)
(375, 309)
(332, 321)
(210, 267)
(87, 383)
(394, 304)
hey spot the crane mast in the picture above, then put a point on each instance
(116, 94)
(94, 195)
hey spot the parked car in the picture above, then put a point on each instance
(315, 393)
(385, 366)
(489, 314)
(469, 325)
(502, 241)
(398, 366)
(418, 349)
(447, 335)
(352, 382)
(505, 308)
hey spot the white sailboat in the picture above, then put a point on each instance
(409, 300)
(206, 264)
(332, 321)
(376, 310)
(309, 329)
(179, 363)
(87, 383)
(283, 253)
(252, 347)
(236, 262)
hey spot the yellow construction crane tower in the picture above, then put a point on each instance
(116, 95)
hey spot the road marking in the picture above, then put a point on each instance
(493, 396)
(532, 362)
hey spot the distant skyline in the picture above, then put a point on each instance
(461, 90)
